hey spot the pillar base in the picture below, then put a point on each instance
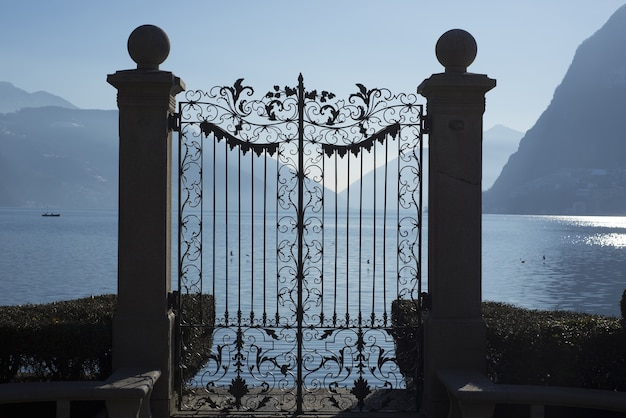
(147, 342)
(450, 343)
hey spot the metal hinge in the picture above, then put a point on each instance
(425, 301)
(173, 122)
(427, 123)
(173, 299)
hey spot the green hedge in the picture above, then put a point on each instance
(555, 348)
(197, 332)
(68, 340)
(544, 347)
(407, 333)
(72, 340)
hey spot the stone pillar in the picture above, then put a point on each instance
(142, 328)
(454, 328)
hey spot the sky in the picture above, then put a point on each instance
(67, 47)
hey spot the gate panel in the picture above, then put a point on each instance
(300, 215)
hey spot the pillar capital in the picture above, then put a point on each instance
(455, 92)
(141, 88)
(457, 84)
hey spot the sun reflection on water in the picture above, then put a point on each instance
(614, 239)
(594, 221)
(555, 262)
(611, 230)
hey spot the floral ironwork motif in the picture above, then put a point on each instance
(303, 274)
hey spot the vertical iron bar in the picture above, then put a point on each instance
(226, 247)
(419, 372)
(323, 234)
(264, 237)
(336, 242)
(374, 243)
(239, 235)
(420, 138)
(277, 228)
(201, 232)
(213, 250)
(398, 228)
(251, 238)
(179, 375)
(360, 238)
(348, 244)
(300, 261)
(385, 201)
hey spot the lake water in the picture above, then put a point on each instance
(551, 262)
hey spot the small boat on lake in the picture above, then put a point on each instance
(50, 214)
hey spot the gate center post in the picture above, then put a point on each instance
(300, 261)
(455, 334)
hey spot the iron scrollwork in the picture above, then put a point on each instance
(305, 342)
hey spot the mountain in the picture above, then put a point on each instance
(247, 181)
(68, 158)
(573, 160)
(499, 143)
(13, 99)
(59, 157)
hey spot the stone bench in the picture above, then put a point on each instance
(126, 393)
(473, 395)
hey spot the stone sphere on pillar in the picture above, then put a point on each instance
(456, 50)
(148, 46)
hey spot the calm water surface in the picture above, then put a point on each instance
(555, 262)
(552, 262)
(43, 259)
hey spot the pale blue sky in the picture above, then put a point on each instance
(67, 47)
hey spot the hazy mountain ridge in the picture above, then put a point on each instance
(574, 159)
(59, 157)
(499, 142)
(13, 99)
(68, 158)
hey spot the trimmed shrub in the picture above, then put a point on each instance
(538, 347)
(68, 340)
(557, 348)
(72, 340)
(407, 332)
(196, 332)
(622, 308)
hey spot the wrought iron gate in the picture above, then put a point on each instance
(299, 241)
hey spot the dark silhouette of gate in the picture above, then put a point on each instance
(299, 240)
